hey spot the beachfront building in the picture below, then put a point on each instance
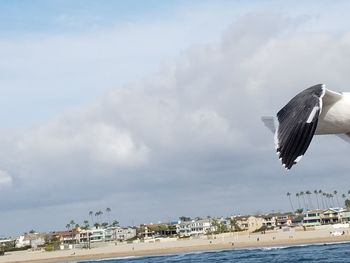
(106, 234)
(255, 223)
(269, 221)
(119, 233)
(7, 242)
(297, 220)
(31, 239)
(312, 218)
(200, 227)
(22, 241)
(278, 220)
(150, 231)
(183, 228)
(110, 233)
(125, 233)
(194, 227)
(250, 223)
(242, 222)
(97, 235)
(91, 235)
(67, 237)
(83, 236)
(284, 219)
(145, 231)
(345, 216)
(331, 216)
(326, 217)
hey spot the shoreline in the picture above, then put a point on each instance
(220, 242)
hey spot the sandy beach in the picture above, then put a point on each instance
(172, 246)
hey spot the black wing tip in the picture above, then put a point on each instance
(288, 165)
(297, 122)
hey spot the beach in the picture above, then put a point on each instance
(235, 240)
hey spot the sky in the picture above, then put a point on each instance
(152, 108)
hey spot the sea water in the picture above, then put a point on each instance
(335, 252)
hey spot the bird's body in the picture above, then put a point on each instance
(316, 110)
(335, 116)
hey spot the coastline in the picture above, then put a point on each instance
(219, 242)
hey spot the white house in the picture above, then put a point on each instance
(119, 233)
(312, 217)
(96, 235)
(108, 234)
(194, 227)
(32, 239)
(331, 215)
(124, 233)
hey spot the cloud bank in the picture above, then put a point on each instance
(187, 140)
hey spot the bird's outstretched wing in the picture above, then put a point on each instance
(297, 122)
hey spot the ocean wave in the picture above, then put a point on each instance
(108, 259)
(297, 245)
(315, 252)
(237, 253)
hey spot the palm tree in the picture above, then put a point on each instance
(318, 204)
(290, 201)
(347, 203)
(100, 214)
(322, 197)
(332, 196)
(302, 195)
(108, 210)
(97, 214)
(70, 226)
(86, 224)
(72, 223)
(325, 196)
(327, 200)
(115, 223)
(336, 196)
(331, 200)
(308, 195)
(298, 197)
(344, 197)
(91, 213)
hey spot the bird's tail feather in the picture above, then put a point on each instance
(270, 122)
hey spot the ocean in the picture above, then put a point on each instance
(335, 252)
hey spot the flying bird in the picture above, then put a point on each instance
(314, 111)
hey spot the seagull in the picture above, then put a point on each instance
(314, 111)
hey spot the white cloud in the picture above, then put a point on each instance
(192, 130)
(205, 107)
(108, 145)
(5, 179)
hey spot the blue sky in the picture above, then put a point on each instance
(75, 16)
(137, 105)
(30, 23)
